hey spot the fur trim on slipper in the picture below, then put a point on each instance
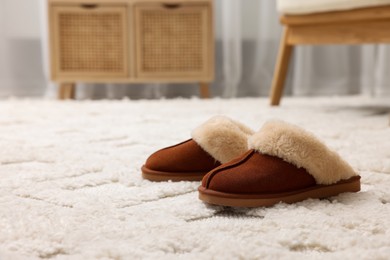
(223, 138)
(301, 148)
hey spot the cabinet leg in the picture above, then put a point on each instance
(204, 90)
(281, 68)
(61, 91)
(67, 91)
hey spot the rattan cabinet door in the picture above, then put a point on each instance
(173, 41)
(89, 42)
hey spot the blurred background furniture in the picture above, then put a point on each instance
(131, 41)
(247, 35)
(327, 22)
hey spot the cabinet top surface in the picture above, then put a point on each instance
(124, 1)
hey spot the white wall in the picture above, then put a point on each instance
(21, 70)
(21, 18)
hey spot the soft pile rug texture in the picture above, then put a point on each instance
(71, 186)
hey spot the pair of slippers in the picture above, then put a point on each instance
(241, 168)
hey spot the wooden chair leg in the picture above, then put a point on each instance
(67, 91)
(281, 69)
(204, 90)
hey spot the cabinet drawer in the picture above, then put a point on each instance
(173, 40)
(89, 41)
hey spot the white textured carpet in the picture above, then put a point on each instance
(70, 183)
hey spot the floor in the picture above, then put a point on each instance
(71, 188)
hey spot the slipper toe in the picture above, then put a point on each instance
(184, 161)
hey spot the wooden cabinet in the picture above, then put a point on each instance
(131, 41)
(172, 40)
(89, 42)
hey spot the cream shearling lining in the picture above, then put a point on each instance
(301, 148)
(223, 138)
(297, 7)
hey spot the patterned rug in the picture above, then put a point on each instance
(71, 187)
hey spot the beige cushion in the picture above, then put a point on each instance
(317, 6)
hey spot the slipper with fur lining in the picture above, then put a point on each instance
(284, 163)
(216, 141)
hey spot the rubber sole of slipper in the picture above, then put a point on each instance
(152, 175)
(264, 200)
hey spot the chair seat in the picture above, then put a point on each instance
(367, 14)
(299, 7)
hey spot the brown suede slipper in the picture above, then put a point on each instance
(217, 141)
(284, 164)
